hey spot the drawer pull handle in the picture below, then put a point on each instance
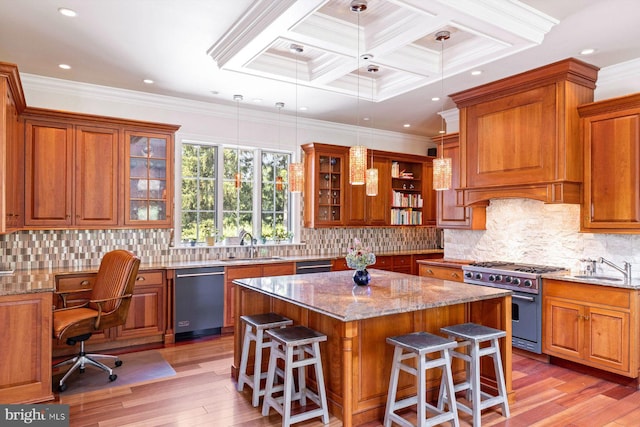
(140, 278)
(454, 275)
(85, 283)
(429, 271)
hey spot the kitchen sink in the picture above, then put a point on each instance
(263, 258)
(596, 277)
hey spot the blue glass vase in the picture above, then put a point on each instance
(361, 277)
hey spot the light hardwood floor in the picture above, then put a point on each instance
(203, 394)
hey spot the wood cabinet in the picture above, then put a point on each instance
(25, 361)
(108, 172)
(232, 273)
(519, 136)
(330, 201)
(12, 103)
(593, 325)
(449, 211)
(146, 320)
(441, 272)
(611, 139)
(399, 263)
(148, 178)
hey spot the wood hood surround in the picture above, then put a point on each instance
(519, 136)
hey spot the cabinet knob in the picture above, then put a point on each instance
(429, 271)
(84, 283)
(455, 275)
(140, 278)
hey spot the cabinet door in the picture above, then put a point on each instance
(448, 213)
(563, 328)
(12, 164)
(441, 272)
(147, 309)
(378, 212)
(607, 338)
(230, 274)
(96, 177)
(612, 172)
(148, 179)
(49, 169)
(402, 264)
(330, 188)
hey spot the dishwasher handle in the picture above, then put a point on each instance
(218, 273)
(309, 267)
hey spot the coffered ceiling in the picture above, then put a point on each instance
(210, 50)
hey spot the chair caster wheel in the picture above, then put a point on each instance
(62, 387)
(112, 377)
(118, 363)
(82, 370)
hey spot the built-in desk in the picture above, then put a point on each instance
(357, 320)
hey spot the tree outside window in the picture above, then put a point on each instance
(237, 191)
(275, 196)
(198, 192)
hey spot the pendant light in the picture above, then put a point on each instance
(358, 153)
(442, 165)
(237, 98)
(372, 173)
(296, 170)
(279, 179)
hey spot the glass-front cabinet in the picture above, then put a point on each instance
(324, 179)
(149, 192)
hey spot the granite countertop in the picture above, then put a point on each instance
(334, 294)
(568, 277)
(43, 280)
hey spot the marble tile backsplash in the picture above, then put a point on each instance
(533, 232)
(70, 248)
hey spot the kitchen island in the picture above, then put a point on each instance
(357, 320)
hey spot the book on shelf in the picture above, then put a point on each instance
(407, 200)
(405, 217)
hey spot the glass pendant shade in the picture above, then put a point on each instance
(442, 173)
(372, 182)
(357, 164)
(296, 177)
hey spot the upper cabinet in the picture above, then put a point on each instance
(148, 171)
(519, 137)
(108, 172)
(611, 138)
(449, 213)
(12, 103)
(404, 185)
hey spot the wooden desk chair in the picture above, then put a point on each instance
(107, 307)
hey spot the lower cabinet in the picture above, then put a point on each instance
(243, 271)
(407, 264)
(25, 359)
(441, 272)
(145, 321)
(592, 325)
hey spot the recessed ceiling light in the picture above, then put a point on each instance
(214, 92)
(65, 66)
(67, 12)
(366, 119)
(476, 72)
(406, 125)
(148, 81)
(257, 100)
(303, 108)
(587, 51)
(435, 98)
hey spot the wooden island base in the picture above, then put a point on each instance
(356, 357)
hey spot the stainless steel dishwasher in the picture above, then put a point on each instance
(315, 266)
(199, 301)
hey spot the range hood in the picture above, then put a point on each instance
(519, 136)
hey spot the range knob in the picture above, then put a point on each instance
(528, 283)
(478, 276)
(498, 277)
(508, 279)
(492, 278)
(468, 275)
(516, 281)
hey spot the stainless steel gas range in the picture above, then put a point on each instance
(525, 280)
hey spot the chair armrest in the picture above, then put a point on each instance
(99, 303)
(64, 294)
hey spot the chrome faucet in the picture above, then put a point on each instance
(253, 251)
(626, 271)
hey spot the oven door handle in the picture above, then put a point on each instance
(532, 299)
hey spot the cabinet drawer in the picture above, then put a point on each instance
(587, 293)
(75, 282)
(445, 273)
(402, 260)
(339, 264)
(149, 278)
(383, 263)
(281, 269)
(243, 272)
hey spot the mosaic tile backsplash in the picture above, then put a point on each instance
(73, 248)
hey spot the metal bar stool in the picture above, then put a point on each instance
(472, 335)
(303, 345)
(417, 346)
(254, 331)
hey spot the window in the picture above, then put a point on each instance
(198, 191)
(226, 189)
